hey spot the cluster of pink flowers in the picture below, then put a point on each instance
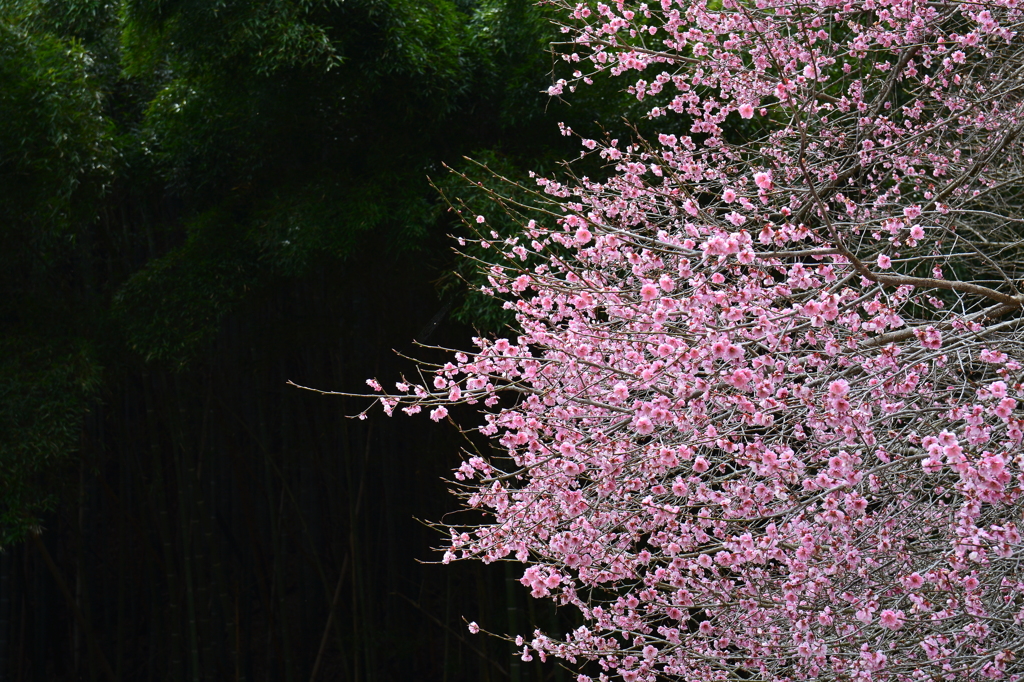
(762, 414)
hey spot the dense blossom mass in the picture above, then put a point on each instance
(761, 415)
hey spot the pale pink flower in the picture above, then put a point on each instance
(620, 391)
(1005, 408)
(891, 619)
(572, 468)
(733, 352)
(839, 388)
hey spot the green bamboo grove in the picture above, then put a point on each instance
(199, 203)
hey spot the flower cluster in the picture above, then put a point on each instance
(762, 413)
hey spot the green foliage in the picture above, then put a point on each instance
(45, 389)
(510, 39)
(54, 151)
(166, 163)
(195, 36)
(250, 89)
(300, 128)
(176, 302)
(330, 217)
(56, 159)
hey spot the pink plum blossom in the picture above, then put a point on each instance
(891, 619)
(763, 180)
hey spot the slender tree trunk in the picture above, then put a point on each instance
(330, 621)
(5, 611)
(24, 631)
(185, 548)
(40, 619)
(124, 585)
(76, 633)
(174, 589)
(94, 651)
(216, 633)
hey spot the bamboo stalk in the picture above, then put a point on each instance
(276, 606)
(5, 611)
(358, 614)
(219, 582)
(185, 546)
(40, 617)
(182, 468)
(62, 585)
(177, 665)
(447, 619)
(20, 667)
(330, 620)
(122, 575)
(201, 541)
(76, 634)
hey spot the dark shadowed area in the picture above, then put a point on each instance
(200, 202)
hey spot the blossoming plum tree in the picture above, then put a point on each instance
(760, 418)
